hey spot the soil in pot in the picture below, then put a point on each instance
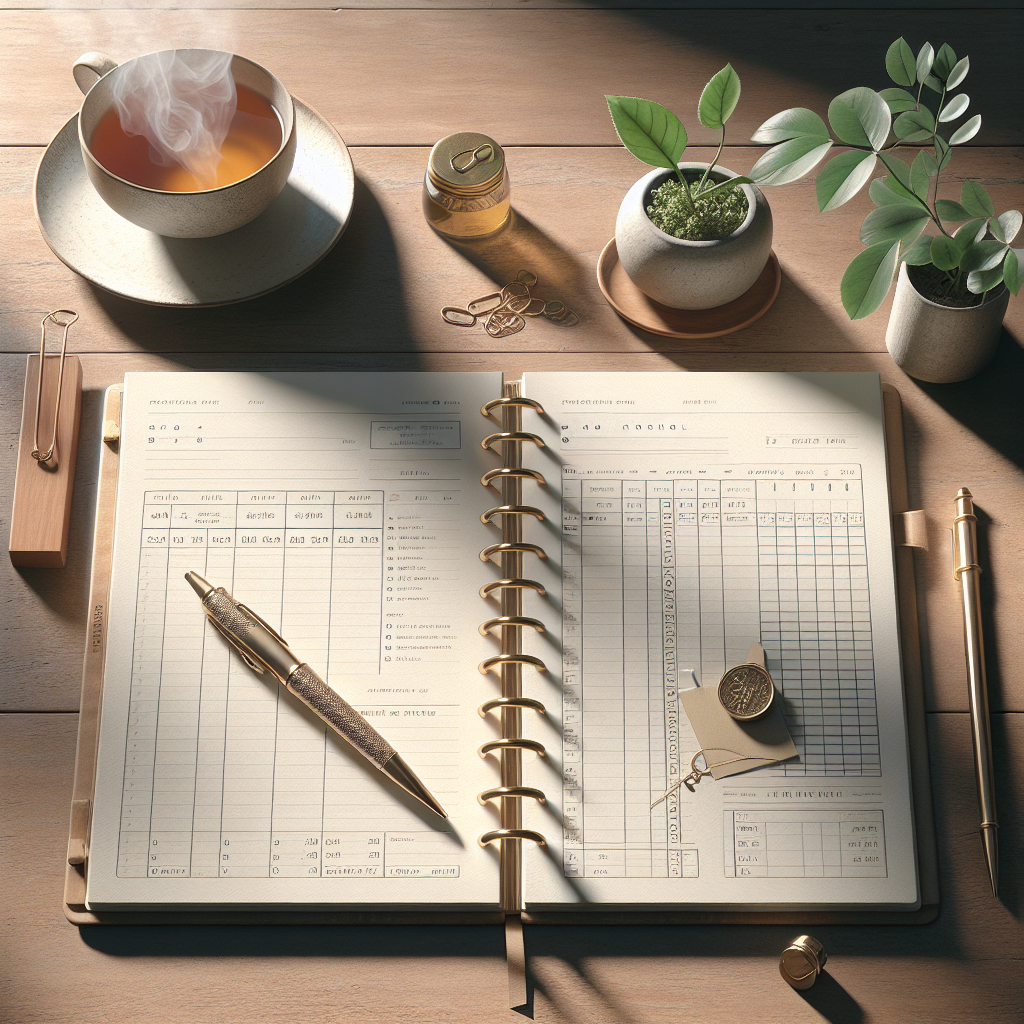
(671, 210)
(935, 285)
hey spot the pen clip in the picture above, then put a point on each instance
(263, 622)
(231, 639)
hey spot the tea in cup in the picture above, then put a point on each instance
(185, 143)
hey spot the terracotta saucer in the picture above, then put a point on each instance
(631, 304)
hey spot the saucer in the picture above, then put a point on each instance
(292, 235)
(633, 305)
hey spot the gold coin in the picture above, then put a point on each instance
(746, 692)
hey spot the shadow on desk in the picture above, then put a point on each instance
(355, 293)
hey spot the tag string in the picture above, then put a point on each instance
(696, 774)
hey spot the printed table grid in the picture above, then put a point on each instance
(661, 578)
(223, 778)
(811, 843)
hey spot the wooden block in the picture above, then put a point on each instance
(42, 491)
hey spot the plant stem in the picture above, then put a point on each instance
(711, 166)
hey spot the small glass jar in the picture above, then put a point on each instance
(466, 190)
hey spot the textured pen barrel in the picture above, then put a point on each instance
(339, 715)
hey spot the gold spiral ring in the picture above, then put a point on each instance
(511, 620)
(506, 743)
(498, 791)
(495, 835)
(510, 702)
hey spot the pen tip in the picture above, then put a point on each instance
(198, 584)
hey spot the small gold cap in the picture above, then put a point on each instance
(802, 961)
(466, 164)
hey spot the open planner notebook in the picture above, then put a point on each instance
(525, 642)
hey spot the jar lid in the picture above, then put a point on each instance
(466, 164)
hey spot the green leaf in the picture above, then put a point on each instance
(867, 279)
(893, 223)
(900, 170)
(842, 178)
(966, 131)
(920, 253)
(970, 233)
(794, 123)
(1012, 269)
(899, 62)
(958, 74)
(925, 60)
(1006, 225)
(915, 125)
(898, 100)
(883, 195)
(955, 107)
(860, 117)
(976, 200)
(983, 255)
(933, 83)
(981, 281)
(790, 160)
(944, 252)
(922, 170)
(651, 132)
(719, 98)
(942, 151)
(945, 60)
(949, 209)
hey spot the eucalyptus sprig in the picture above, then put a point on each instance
(654, 135)
(872, 125)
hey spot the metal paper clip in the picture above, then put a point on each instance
(65, 324)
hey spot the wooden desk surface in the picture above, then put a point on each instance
(532, 74)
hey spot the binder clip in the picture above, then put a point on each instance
(51, 415)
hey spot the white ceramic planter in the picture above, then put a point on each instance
(691, 275)
(942, 344)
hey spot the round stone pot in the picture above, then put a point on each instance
(691, 275)
(942, 344)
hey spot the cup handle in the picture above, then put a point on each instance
(90, 68)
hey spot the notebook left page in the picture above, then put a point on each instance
(343, 509)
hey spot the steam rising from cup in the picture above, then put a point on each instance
(183, 109)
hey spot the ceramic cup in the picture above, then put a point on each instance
(185, 214)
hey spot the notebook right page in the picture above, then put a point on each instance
(691, 515)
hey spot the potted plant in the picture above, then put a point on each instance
(689, 235)
(954, 261)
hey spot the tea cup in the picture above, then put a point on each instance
(193, 214)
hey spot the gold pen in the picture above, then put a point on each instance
(263, 649)
(967, 572)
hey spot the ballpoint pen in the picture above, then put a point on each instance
(263, 649)
(966, 572)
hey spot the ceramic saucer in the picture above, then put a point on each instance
(292, 235)
(633, 305)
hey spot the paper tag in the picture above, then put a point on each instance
(759, 743)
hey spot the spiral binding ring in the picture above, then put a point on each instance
(499, 403)
(515, 791)
(498, 549)
(504, 473)
(512, 744)
(510, 702)
(511, 436)
(511, 510)
(512, 833)
(514, 583)
(511, 620)
(489, 664)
